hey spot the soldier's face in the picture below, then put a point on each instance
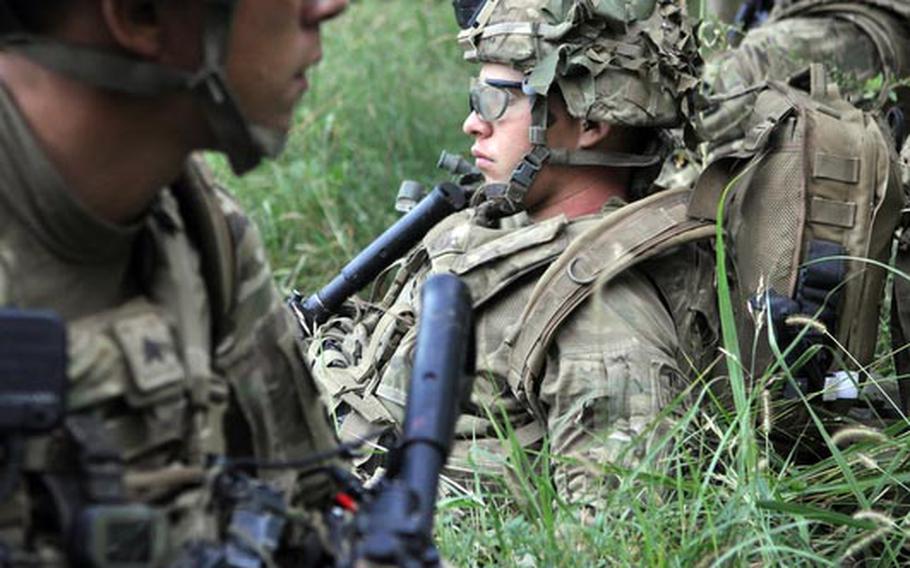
(273, 43)
(500, 144)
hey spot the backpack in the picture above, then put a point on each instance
(815, 178)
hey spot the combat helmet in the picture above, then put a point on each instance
(625, 62)
(244, 143)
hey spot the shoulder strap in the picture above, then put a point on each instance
(638, 231)
(208, 229)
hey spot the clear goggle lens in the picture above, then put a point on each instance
(490, 101)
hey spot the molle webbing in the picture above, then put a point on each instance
(634, 233)
(812, 172)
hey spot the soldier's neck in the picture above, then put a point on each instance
(114, 152)
(577, 191)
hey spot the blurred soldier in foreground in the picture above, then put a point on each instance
(566, 115)
(180, 348)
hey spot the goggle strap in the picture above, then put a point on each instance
(242, 142)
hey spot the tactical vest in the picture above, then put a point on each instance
(536, 275)
(144, 394)
(489, 261)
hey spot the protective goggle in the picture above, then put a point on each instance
(491, 98)
(466, 11)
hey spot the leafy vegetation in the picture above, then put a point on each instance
(717, 490)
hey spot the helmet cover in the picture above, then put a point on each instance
(626, 62)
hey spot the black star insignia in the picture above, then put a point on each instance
(153, 350)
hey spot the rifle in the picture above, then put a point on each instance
(395, 523)
(445, 199)
(392, 522)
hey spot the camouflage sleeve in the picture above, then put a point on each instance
(283, 414)
(782, 48)
(610, 372)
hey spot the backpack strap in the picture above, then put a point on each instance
(208, 229)
(634, 233)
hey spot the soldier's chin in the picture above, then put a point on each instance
(491, 176)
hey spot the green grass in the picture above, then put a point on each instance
(389, 95)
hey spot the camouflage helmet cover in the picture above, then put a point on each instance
(617, 61)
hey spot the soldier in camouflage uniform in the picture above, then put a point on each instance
(593, 85)
(180, 348)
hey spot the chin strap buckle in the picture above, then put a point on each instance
(527, 171)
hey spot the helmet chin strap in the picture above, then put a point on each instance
(507, 198)
(245, 144)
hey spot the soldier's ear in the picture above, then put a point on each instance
(592, 133)
(135, 25)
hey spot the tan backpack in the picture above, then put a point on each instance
(814, 178)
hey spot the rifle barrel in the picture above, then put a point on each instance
(445, 199)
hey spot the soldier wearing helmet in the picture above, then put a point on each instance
(567, 116)
(180, 349)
